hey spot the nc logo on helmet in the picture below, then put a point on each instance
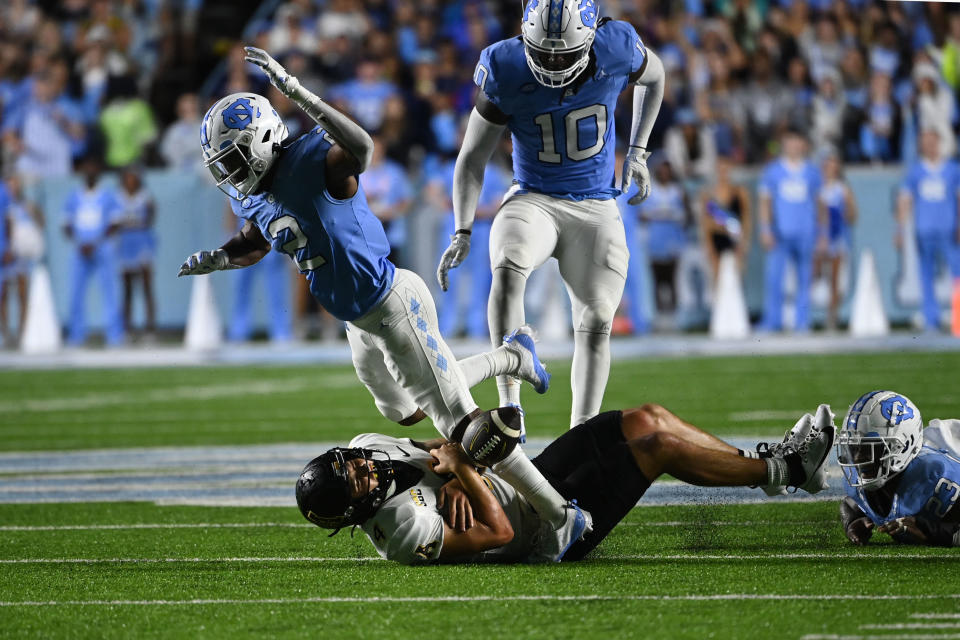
(530, 7)
(588, 13)
(895, 409)
(239, 114)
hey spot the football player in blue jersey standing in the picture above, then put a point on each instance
(303, 197)
(555, 88)
(900, 478)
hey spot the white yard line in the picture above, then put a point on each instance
(655, 557)
(935, 616)
(899, 626)
(763, 416)
(498, 598)
(901, 636)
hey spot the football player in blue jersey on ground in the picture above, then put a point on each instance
(900, 478)
(303, 197)
(555, 88)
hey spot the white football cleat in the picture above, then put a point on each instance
(554, 543)
(792, 440)
(522, 342)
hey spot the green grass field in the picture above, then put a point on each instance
(138, 569)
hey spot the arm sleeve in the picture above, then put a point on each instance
(479, 141)
(647, 97)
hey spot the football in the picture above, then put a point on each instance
(491, 436)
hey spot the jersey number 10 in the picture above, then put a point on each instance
(571, 122)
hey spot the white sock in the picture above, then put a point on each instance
(519, 471)
(589, 373)
(509, 389)
(778, 474)
(483, 366)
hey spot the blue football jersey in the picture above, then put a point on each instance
(338, 244)
(563, 139)
(793, 191)
(930, 485)
(934, 189)
(90, 212)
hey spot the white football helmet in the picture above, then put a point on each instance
(882, 433)
(240, 136)
(557, 35)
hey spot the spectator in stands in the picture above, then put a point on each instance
(666, 215)
(880, 133)
(726, 220)
(177, 147)
(92, 218)
(800, 95)
(788, 215)
(26, 249)
(389, 195)
(930, 195)
(291, 32)
(364, 97)
(828, 108)
(690, 146)
(344, 18)
(936, 106)
(839, 208)
(766, 105)
(45, 131)
(127, 123)
(137, 247)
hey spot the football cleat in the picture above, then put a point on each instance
(554, 543)
(790, 443)
(808, 464)
(522, 342)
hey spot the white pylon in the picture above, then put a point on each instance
(868, 318)
(204, 329)
(729, 319)
(41, 328)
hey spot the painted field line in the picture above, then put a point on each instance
(487, 598)
(305, 525)
(156, 525)
(897, 636)
(900, 626)
(651, 557)
(935, 616)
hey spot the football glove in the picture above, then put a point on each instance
(453, 257)
(635, 168)
(206, 262)
(277, 75)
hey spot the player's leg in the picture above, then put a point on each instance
(802, 251)
(392, 400)
(80, 270)
(128, 278)
(662, 443)
(112, 313)
(927, 252)
(773, 288)
(522, 237)
(593, 263)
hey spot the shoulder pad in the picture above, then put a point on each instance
(501, 70)
(618, 48)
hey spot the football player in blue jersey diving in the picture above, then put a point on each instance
(900, 478)
(555, 88)
(303, 197)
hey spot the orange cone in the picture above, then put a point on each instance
(955, 319)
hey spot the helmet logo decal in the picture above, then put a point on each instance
(895, 409)
(530, 7)
(588, 13)
(238, 115)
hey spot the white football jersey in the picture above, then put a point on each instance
(408, 527)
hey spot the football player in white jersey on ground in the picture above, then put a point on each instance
(422, 502)
(900, 478)
(303, 197)
(555, 88)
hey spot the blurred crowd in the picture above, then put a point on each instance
(802, 88)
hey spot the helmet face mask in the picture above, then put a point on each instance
(882, 434)
(240, 136)
(557, 36)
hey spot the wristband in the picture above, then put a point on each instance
(466, 232)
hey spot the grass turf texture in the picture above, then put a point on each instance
(75, 409)
(634, 561)
(45, 410)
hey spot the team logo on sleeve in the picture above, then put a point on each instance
(427, 551)
(896, 409)
(238, 115)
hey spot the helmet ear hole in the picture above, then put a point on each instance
(266, 136)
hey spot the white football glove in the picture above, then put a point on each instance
(453, 257)
(272, 69)
(635, 168)
(206, 262)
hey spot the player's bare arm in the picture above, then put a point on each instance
(491, 527)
